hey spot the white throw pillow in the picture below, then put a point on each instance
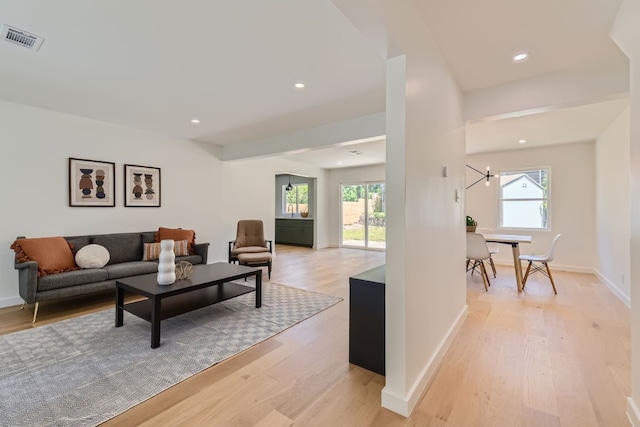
(92, 256)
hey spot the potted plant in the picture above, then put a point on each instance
(471, 224)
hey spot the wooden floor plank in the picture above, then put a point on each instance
(520, 359)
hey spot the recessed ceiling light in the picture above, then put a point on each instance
(299, 85)
(522, 141)
(195, 121)
(339, 163)
(520, 56)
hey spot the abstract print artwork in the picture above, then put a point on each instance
(91, 183)
(141, 186)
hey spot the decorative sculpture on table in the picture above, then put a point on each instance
(183, 270)
(166, 263)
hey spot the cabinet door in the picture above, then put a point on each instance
(306, 236)
(283, 233)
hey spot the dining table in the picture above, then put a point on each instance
(514, 240)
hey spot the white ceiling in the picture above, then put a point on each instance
(154, 65)
(576, 124)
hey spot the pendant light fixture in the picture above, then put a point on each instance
(486, 176)
(289, 187)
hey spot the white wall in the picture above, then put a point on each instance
(426, 288)
(613, 232)
(626, 33)
(198, 190)
(572, 201)
(337, 177)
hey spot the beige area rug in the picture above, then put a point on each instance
(84, 371)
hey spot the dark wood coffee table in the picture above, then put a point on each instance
(208, 284)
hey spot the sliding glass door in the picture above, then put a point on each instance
(364, 215)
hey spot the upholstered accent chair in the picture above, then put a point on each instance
(250, 247)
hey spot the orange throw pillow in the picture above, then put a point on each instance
(53, 254)
(177, 234)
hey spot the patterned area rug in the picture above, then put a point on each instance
(84, 371)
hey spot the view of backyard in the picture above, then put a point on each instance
(364, 215)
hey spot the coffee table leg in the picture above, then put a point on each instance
(119, 304)
(155, 322)
(259, 289)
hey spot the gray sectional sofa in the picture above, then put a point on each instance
(125, 250)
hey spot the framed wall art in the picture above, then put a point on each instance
(142, 186)
(91, 183)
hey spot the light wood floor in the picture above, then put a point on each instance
(533, 359)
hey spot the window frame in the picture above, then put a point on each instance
(546, 198)
(285, 206)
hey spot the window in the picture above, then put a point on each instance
(524, 198)
(295, 200)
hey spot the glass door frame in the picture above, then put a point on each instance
(366, 185)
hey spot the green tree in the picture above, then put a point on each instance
(352, 193)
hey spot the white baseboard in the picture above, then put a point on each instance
(614, 289)
(633, 413)
(404, 405)
(8, 302)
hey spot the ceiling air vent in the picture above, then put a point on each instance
(20, 37)
(355, 152)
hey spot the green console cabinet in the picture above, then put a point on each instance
(297, 232)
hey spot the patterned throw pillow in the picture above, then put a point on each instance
(151, 251)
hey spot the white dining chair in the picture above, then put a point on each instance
(493, 248)
(478, 253)
(541, 263)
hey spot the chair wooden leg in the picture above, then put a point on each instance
(475, 265)
(493, 267)
(551, 278)
(269, 270)
(526, 275)
(485, 276)
(35, 312)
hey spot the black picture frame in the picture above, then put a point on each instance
(91, 183)
(142, 186)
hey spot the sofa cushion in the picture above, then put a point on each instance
(92, 256)
(132, 268)
(177, 234)
(122, 247)
(193, 259)
(78, 242)
(249, 250)
(53, 254)
(148, 236)
(71, 278)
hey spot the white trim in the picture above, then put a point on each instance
(614, 289)
(9, 302)
(404, 405)
(633, 413)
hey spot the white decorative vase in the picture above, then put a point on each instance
(166, 263)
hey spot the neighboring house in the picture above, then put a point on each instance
(524, 213)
